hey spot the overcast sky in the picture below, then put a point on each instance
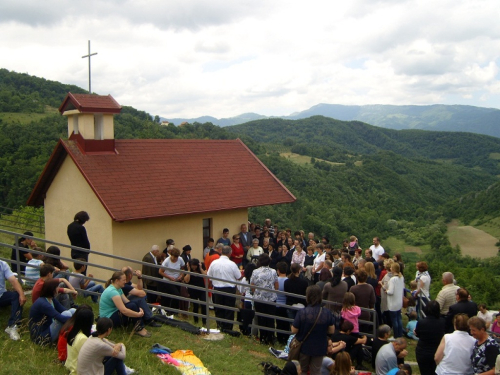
(188, 58)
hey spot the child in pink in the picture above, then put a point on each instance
(350, 311)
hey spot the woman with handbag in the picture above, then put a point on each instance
(311, 327)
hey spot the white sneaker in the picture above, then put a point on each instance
(129, 370)
(13, 332)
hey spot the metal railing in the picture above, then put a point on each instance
(209, 304)
(19, 220)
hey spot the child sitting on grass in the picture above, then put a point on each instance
(79, 282)
(410, 327)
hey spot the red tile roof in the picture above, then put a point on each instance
(90, 103)
(159, 178)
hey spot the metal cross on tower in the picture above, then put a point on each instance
(89, 56)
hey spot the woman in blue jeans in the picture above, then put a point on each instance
(47, 315)
(118, 308)
(395, 291)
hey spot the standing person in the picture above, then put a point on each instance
(245, 241)
(264, 300)
(316, 323)
(299, 255)
(319, 262)
(225, 238)
(281, 306)
(98, 355)
(447, 295)
(209, 248)
(229, 274)
(186, 254)
(195, 266)
(485, 351)
(430, 331)
(377, 249)
(171, 272)
(384, 284)
(350, 311)
(296, 285)
(395, 293)
(15, 299)
(334, 291)
(151, 273)
(24, 256)
(77, 235)
(238, 251)
(454, 352)
(423, 280)
(365, 296)
(254, 252)
(463, 306)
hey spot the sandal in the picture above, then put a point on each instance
(147, 334)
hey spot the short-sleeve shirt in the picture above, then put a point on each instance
(177, 265)
(5, 273)
(33, 273)
(106, 305)
(318, 260)
(317, 342)
(264, 277)
(483, 356)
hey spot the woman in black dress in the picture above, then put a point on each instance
(429, 330)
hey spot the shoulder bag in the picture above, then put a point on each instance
(295, 345)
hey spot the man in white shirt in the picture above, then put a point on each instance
(377, 249)
(228, 273)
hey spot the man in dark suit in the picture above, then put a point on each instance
(463, 306)
(151, 257)
(245, 241)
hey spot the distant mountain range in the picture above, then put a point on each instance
(439, 117)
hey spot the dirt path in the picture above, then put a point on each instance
(472, 241)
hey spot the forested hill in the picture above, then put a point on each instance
(378, 176)
(22, 93)
(338, 141)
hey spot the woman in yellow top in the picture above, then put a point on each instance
(77, 337)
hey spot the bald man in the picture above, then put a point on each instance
(447, 294)
(151, 257)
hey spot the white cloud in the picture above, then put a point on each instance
(193, 57)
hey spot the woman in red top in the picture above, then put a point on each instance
(238, 251)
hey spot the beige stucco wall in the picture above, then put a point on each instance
(134, 239)
(70, 193)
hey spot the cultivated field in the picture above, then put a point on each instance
(472, 241)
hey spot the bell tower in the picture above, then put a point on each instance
(90, 121)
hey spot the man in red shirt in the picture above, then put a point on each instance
(46, 273)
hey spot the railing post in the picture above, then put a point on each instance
(207, 305)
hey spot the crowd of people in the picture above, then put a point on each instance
(337, 292)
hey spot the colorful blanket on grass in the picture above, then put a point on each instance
(185, 361)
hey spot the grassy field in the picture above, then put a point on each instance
(491, 227)
(304, 160)
(473, 241)
(25, 118)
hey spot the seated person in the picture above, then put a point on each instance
(62, 342)
(387, 356)
(410, 327)
(383, 334)
(15, 299)
(47, 315)
(342, 365)
(353, 344)
(46, 273)
(79, 282)
(77, 337)
(118, 308)
(53, 257)
(403, 369)
(32, 271)
(99, 356)
(135, 292)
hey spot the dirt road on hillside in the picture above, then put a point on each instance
(472, 241)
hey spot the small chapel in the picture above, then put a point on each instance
(140, 192)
